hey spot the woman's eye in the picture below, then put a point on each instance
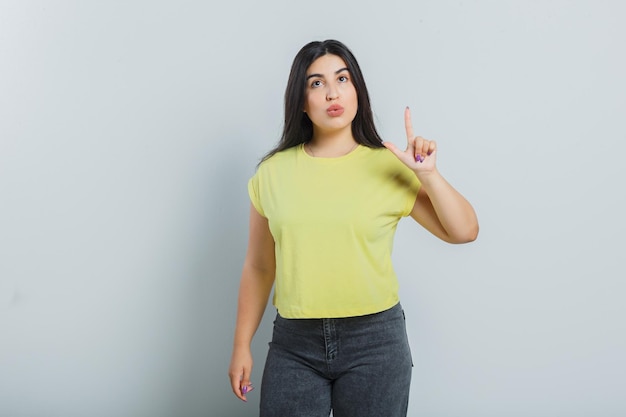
(343, 79)
(316, 83)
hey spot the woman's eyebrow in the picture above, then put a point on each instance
(321, 76)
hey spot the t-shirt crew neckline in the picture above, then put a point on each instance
(350, 154)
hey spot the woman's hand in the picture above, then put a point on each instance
(239, 372)
(420, 154)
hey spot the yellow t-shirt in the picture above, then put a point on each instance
(333, 221)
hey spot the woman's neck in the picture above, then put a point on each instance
(330, 145)
(329, 150)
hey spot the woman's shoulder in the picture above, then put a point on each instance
(382, 155)
(279, 158)
(386, 162)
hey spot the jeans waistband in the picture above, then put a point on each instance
(389, 314)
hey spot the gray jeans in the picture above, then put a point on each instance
(354, 366)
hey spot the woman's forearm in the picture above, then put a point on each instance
(254, 290)
(454, 212)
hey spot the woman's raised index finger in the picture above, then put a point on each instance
(407, 124)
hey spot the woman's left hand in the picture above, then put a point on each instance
(420, 154)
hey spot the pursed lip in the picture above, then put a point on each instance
(335, 110)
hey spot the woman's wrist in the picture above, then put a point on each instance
(429, 178)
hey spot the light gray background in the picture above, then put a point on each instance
(128, 130)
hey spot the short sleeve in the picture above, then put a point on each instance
(412, 188)
(253, 192)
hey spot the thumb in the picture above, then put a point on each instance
(403, 156)
(245, 385)
(393, 148)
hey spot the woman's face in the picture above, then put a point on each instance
(330, 101)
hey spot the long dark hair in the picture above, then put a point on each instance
(298, 127)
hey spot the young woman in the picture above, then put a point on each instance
(325, 206)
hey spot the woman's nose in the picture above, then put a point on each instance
(332, 93)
